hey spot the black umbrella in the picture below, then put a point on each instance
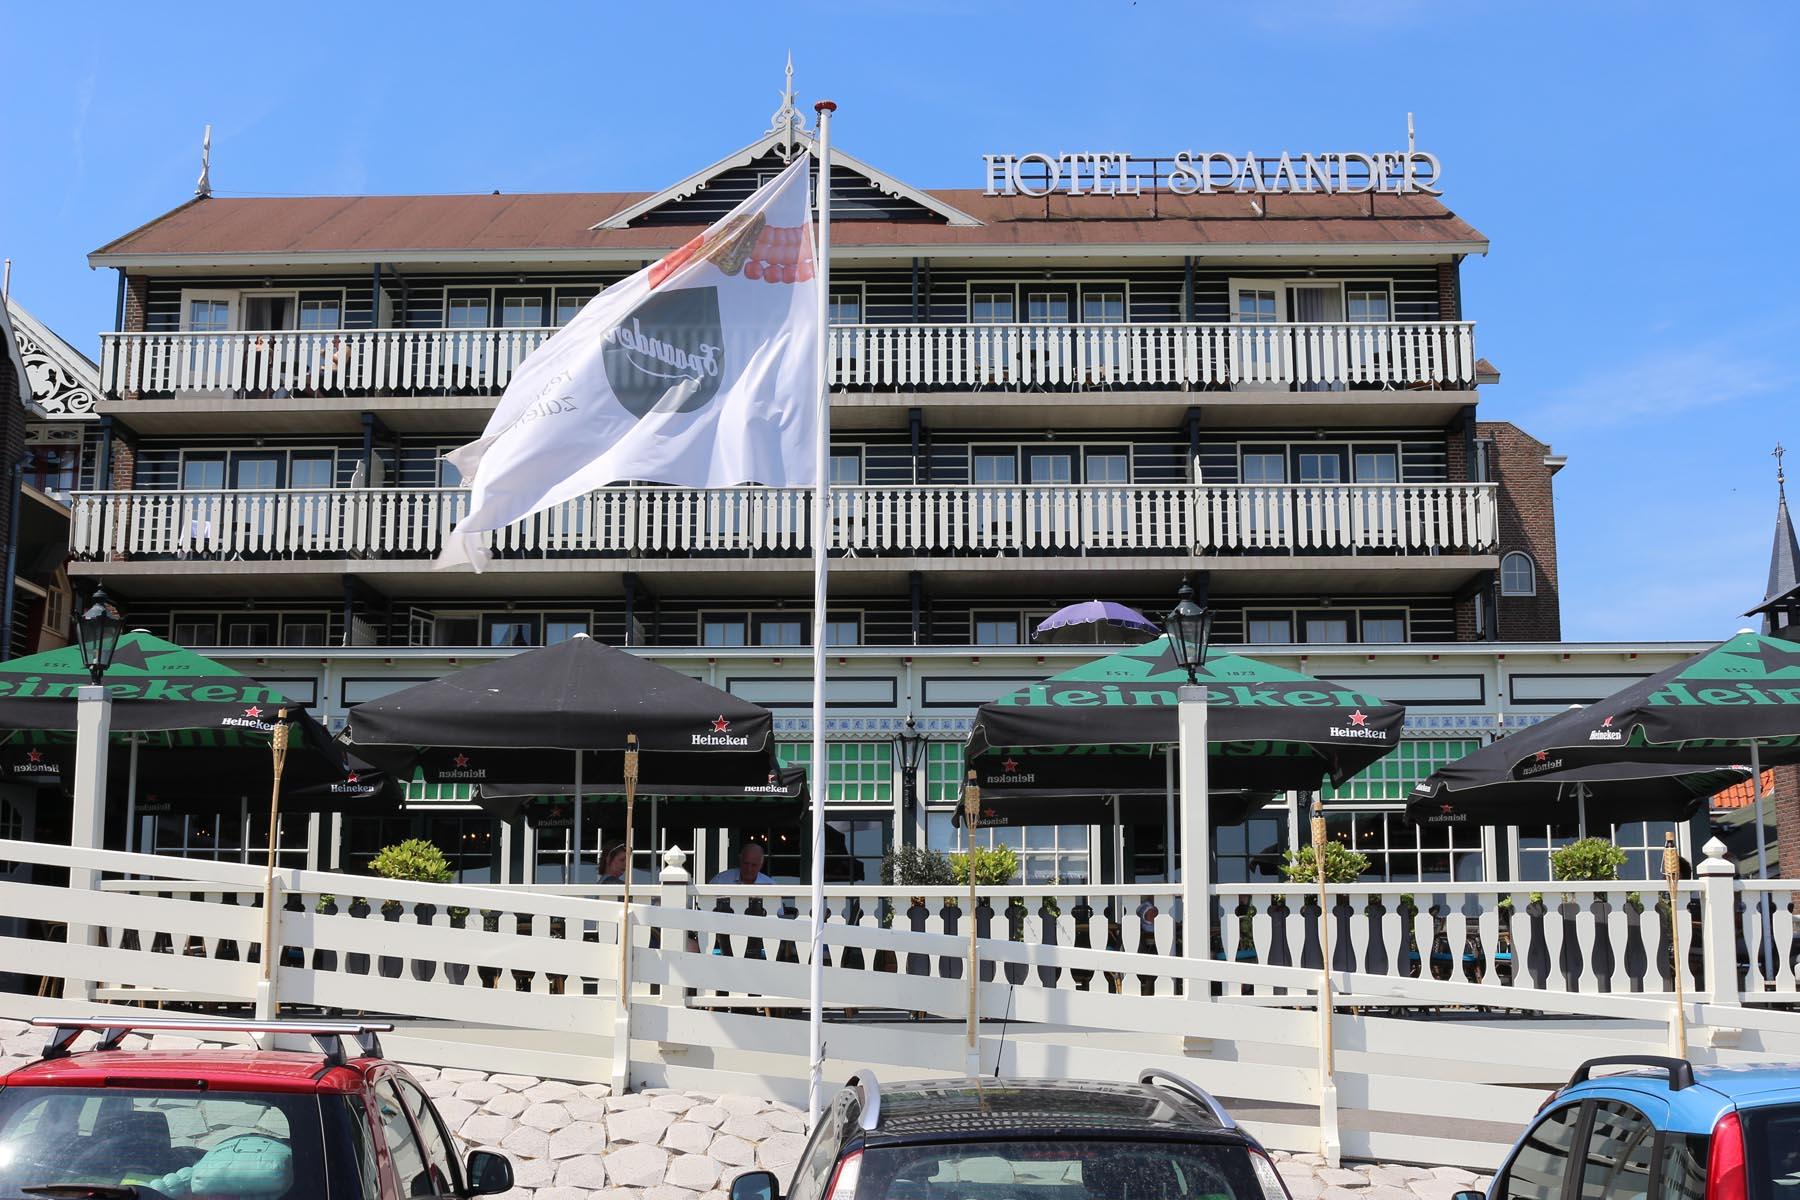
(782, 795)
(620, 721)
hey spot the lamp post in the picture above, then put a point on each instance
(1189, 627)
(97, 628)
(909, 749)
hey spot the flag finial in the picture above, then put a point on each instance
(1780, 452)
(203, 185)
(787, 123)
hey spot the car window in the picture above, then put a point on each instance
(1772, 1151)
(1538, 1169)
(440, 1158)
(814, 1170)
(1684, 1166)
(1060, 1169)
(396, 1130)
(1615, 1164)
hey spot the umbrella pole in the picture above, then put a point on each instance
(131, 798)
(1581, 809)
(574, 875)
(278, 745)
(971, 819)
(1169, 814)
(1326, 1068)
(1762, 860)
(1672, 874)
(631, 781)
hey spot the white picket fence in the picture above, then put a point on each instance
(1076, 518)
(1444, 1048)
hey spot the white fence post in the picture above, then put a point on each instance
(268, 1004)
(1718, 925)
(87, 819)
(675, 895)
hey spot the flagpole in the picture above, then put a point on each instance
(815, 1042)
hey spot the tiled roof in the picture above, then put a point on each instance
(1741, 795)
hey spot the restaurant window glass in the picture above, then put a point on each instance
(1383, 627)
(991, 308)
(781, 631)
(1250, 851)
(857, 772)
(1047, 308)
(1642, 842)
(854, 849)
(1048, 855)
(1103, 308)
(944, 777)
(1400, 851)
(1392, 777)
(1330, 630)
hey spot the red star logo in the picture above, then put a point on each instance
(721, 725)
(1542, 756)
(1606, 724)
(253, 711)
(1010, 765)
(1447, 809)
(1359, 717)
(352, 777)
(33, 756)
(461, 760)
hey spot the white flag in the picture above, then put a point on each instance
(700, 371)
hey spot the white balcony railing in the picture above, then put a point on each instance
(1074, 519)
(388, 361)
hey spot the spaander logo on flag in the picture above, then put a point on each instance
(698, 371)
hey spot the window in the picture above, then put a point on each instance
(843, 629)
(996, 468)
(1047, 308)
(723, 631)
(207, 314)
(196, 631)
(512, 629)
(853, 850)
(1268, 628)
(1402, 852)
(996, 629)
(1393, 777)
(1366, 304)
(780, 631)
(846, 469)
(1518, 575)
(845, 308)
(1377, 466)
(1263, 466)
(944, 776)
(440, 1156)
(521, 312)
(560, 627)
(1642, 842)
(1683, 1173)
(1383, 627)
(396, 1129)
(1331, 630)
(991, 308)
(1103, 308)
(1537, 1171)
(1250, 851)
(1320, 466)
(466, 312)
(1048, 854)
(856, 772)
(303, 631)
(249, 632)
(321, 312)
(815, 1168)
(1257, 306)
(1616, 1162)
(311, 471)
(569, 303)
(1108, 468)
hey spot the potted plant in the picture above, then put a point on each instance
(418, 861)
(1342, 865)
(915, 867)
(994, 866)
(1590, 860)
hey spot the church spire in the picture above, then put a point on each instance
(1784, 560)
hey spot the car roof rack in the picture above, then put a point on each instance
(112, 1030)
(868, 1089)
(1681, 1071)
(1159, 1077)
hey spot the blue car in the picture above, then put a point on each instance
(1664, 1130)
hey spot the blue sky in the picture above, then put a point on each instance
(1633, 163)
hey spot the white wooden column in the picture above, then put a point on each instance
(1196, 819)
(87, 820)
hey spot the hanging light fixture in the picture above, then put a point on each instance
(1189, 626)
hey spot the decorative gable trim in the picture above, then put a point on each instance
(772, 141)
(59, 381)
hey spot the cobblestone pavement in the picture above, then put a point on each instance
(572, 1141)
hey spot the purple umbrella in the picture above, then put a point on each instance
(1090, 621)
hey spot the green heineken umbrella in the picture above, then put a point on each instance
(1100, 729)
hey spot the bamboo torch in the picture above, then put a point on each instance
(1326, 1069)
(971, 820)
(1672, 874)
(631, 781)
(278, 747)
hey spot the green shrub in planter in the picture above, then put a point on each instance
(915, 866)
(1590, 860)
(1342, 864)
(994, 866)
(414, 859)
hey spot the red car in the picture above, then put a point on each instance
(227, 1124)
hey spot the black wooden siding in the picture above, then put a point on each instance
(853, 197)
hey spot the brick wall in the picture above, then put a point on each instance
(1787, 818)
(1449, 278)
(124, 463)
(137, 293)
(1527, 505)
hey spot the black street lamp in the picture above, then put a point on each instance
(910, 745)
(1189, 626)
(97, 628)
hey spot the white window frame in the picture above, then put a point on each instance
(1531, 566)
(860, 290)
(229, 297)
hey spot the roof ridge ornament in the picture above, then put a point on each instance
(1779, 453)
(787, 123)
(203, 185)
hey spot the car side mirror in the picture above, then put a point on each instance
(488, 1173)
(1470, 1195)
(756, 1185)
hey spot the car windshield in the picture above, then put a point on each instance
(1059, 1170)
(1772, 1151)
(163, 1143)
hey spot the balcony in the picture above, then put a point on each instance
(770, 523)
(1327, 356)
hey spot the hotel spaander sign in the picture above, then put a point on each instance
(1188, 172)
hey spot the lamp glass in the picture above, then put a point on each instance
(97, 627)
(1189, 626)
